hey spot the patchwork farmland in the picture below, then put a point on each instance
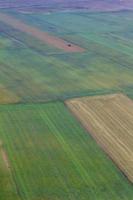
(109, 119)
(32, 71)
(50, 55)
(52, 156)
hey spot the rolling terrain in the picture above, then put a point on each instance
(46, 5)
(58, 51)
(38, 72)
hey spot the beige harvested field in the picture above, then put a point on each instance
(109, 119)
(38, 34)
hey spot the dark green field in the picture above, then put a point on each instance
(35, 72)
(52, 157)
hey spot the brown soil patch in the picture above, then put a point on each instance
(43, 36)
(7, 96)
(109, 119)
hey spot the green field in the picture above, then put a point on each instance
(52, 157)
(45, 154)
(35, 72)
(7, 187)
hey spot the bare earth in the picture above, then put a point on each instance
(109, 119)
(43, 36)
(7, 96)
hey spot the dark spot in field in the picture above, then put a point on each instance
(69, 45)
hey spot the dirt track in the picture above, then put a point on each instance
(43, 36)
(4, 155)
(109, 119)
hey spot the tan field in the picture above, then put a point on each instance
(109, 119)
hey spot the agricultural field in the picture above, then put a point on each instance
(109, 119)
(45, 5)
(33, 71)
(7, 186)
(52, 157)
(40, 35)
(58, 51)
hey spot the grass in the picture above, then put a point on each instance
(7, 187)
(40, 73)
(52, 157)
